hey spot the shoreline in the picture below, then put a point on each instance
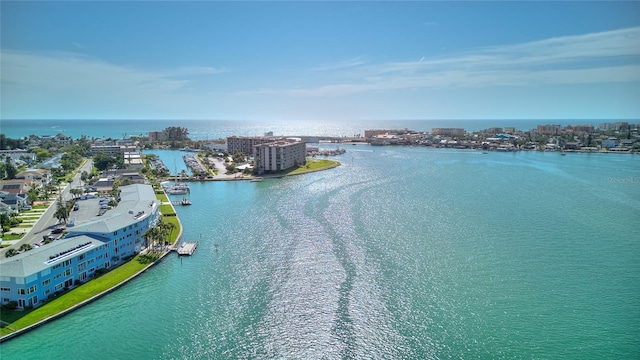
(85, 302)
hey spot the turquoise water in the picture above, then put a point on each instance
(400, 253)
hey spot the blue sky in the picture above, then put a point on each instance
(320, 60)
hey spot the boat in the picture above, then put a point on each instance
(177, 189)
(256, 179)
(185, 202)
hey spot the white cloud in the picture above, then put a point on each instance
(610, 56)
(345, 64)
(64, 82)
(196, 70)
(67, 71)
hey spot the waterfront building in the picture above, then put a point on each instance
(384, 139)
(493, 130)
(579, 129)
(368, 134)
(549, 129)
(451, 132)
(96, 245)
(279, 155)
(620, 126)
(157, 136)
(133, 160)
(112, 150)
(245, 144)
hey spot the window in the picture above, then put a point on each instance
(21, 291)
(32, 289)
(67, 262)
(81, 257)
(58, 287)
(68, 272)
(46, 282)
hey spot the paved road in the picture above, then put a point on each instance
(47, 221)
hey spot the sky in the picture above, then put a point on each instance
(320, 60)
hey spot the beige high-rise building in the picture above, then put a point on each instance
(279, 155)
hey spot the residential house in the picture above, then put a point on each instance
(40, 176)
(15, 186)
(15, 201)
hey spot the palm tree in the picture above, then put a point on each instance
(34, 193)
(62, 212)
(171, 227)
(151, 235)
(5, 221)
(76, 193)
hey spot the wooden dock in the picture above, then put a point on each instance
(186, 248)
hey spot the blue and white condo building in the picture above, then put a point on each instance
(93, 246)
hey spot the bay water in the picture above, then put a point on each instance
(399, 253)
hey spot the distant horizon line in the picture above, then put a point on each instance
(305, 120)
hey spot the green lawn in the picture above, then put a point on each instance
(314, 165)
(166, 209)
(162, 197)
(12, 236)
(21, 319)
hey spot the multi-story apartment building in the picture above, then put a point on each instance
(112, 150)
(93, 246)
(549, 129)
(447, 131)
(157, 136)
(279, 155)
(245, 144)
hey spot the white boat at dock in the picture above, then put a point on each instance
(177, 189)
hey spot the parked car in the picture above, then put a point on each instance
(58, 230)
